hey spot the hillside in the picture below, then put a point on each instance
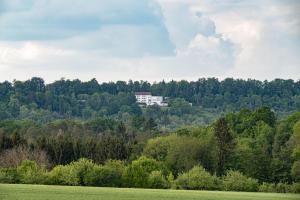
(210, 98)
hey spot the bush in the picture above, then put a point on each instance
(295, 172)
(8, 175)
(72, 174)
(283, 188)
(62, 175)
(267, 187)
(117, 166)
(280, 188)
(30, 173)
(81, 168)
(157, 180)
(137, 173)
(197, 179)
(109, 175)
(295, 188)
(236, 181)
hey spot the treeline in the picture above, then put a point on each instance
(33, 99)
(64, 141)
(252, 144)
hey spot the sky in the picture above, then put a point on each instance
(150, 40)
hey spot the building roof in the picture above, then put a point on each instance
(143, 93)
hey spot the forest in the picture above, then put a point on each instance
(210, 98)
(247, 150)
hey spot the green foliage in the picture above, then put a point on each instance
(197, 179)
(225, 143)
(247, 141)
(295, 188)
(180, 107)
(81, 168)
(267, 187)
(137, 173)
(109, 175)
(157, 180)
(33, 99)
(180, 153)
(236, 181)
(72, 174)
(63, 175)
(296, 137)
(296, 171)
(280, 188)
(157, 148)
(30, 173)
(8, 175)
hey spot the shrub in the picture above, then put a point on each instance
(8, 175)
(236, 181)
(295, 188)
(280, 188)
(157, 180)
(170, 180)
(30, 173)
(81, 168)
(62, 175)
(283, 188)
(197, 179)
(72, 174)
(109, 175)
(182, 181)
(296, 171)
(267, 187)
(137, 173)
(117, 166)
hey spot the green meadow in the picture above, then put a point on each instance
(42, 192)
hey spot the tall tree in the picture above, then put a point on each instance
(225, 144)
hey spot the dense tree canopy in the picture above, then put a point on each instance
(33, 99)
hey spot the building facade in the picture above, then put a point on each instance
(149, 100)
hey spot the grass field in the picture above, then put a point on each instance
(40, 192)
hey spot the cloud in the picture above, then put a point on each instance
(150, 39)
(267, 45)
(126, 28)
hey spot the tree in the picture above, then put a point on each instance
(225, 143)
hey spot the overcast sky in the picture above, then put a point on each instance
(149, 39)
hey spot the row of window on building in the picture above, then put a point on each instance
(149, 100)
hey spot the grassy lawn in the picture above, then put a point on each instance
(37, 192)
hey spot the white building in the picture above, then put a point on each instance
(149, 100)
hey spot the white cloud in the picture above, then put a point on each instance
(167, 39)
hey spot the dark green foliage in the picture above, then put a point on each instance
(8, 175)
(225, 143)
(33, 99)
